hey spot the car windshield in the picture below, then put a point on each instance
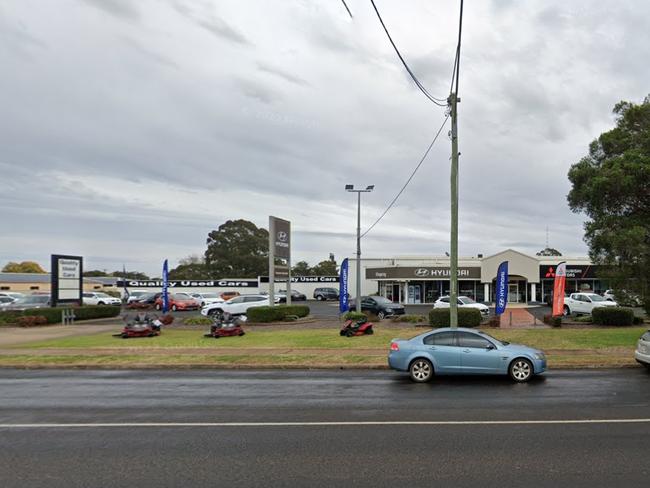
(103, 295)
(466, 300)
(181, 296)
(382, 300)
(210, 295)
(596, 298)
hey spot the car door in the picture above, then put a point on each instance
(254, 302)
(236, 306)
(478, 355)
(444, 349)
(368, 304)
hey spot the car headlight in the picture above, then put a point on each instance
(540, 355)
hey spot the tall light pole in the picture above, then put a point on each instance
(350, 188)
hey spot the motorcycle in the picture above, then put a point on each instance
(226, 326)
(361, 327)
(142, 325)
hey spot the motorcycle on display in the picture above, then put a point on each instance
(225, 325)
(141, 325)
(352, 328)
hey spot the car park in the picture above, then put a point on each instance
(236, 306)
(326, 294)
(178, 302)
(463, 302)
(4, 301)
(642, 353)
(29, 301)
(296, 296)
(206, 297)
(12, 294)
(448, 351)
(584, 303)
(135, 295)
(380, 306)
(99, 298)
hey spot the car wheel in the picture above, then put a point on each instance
(320, 298)
(101, 303)
(381, 315)
(421, 370)
(174, 308)
(521, 370)
(567, 311)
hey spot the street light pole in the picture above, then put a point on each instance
(351, 189)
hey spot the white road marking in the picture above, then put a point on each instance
(323, 424)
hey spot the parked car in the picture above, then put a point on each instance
(626, 298)
(12, 294)
(296, 296)
(584, 303)
(99, 298)
(206, 297)
(227, 295)
(135, 295)
(463, 302)
(4, 301)
(326, 294)
(29, 301)
(448, 351)
(380, 306)
(148, 298)
(178, 301)
(642, 353)
(236, 306)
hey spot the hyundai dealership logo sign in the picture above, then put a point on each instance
(283, 236)
(421, 272)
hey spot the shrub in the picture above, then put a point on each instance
(617, 316)
(95, 312)
(53, 315)
(197, 321)
(354, 316)
(637, 320)
(167, 319)
(277, 313)
(31, 320)
(552, 321)
(467, 317)
(9, 317)
(410, 318)
(584, 319)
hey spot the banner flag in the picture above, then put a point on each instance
(558, 289)
(165, 287)
(502, 288)
(126, 289)
(343, 287)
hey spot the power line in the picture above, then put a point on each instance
(426, 153)
(346, 8)
(460, 32)
(413, 77)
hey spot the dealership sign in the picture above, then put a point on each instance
(67, 279)
(280, 237)
(188, 283)
(304, 279)
(573, 271)
(428, 273)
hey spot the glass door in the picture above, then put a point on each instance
(513, 292)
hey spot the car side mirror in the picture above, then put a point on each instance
(489, 347)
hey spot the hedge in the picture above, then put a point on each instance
(53, 315)
(618, 316)
(277, 313)
(467, 317)
(355, 316)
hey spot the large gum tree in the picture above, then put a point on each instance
(611, 185)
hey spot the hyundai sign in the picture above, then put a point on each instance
(502, 288)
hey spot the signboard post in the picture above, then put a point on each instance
(67, 279)
(279, 247)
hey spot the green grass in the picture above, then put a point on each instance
(572, 338)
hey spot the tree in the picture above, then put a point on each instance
(611, 185)
(130, 275)
(190, 268)
(95, 273)
(549, 251)
(301, 268)
(23, 267)
(325, 268)
(238, 248)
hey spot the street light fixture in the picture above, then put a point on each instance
(350, 188)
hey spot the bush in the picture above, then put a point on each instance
(587, 319)
(552, 321)
(637, 320)
(277, 313)
(53, 315)
(411, 319)
(197, 321)
(167, 319)
(467, 317)
(355, 316)
(95, 312)
(617, 316)
(31, 320)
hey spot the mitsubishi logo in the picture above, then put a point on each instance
(550, 273)
(421, 272)
(283, 236)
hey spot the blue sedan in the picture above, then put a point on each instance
(463, 351)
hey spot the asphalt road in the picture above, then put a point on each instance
(269, 428)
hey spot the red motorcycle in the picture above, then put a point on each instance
(225, 326)
(142, 325)
(361, 327)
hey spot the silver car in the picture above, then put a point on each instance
(642, 353)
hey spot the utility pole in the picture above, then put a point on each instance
(453, 265)
(350, 188)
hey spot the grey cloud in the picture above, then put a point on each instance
(122, 9)
(208, 20)
(149, 53)
(274, 70)
(257, 91)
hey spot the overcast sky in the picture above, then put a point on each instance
(130, 129)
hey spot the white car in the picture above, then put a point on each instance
(642, 353)
(584, 303)
(5, 300)
(236, 306)
(12, 294)
(206, 298)
(629, 298)
(135, 295)
(463, 302)
(99, 298)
